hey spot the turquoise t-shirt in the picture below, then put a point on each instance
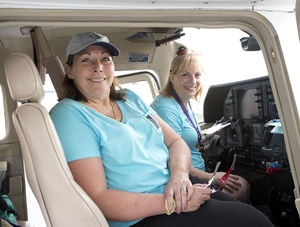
(133, 153)
(170, 111)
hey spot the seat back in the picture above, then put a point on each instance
(61, 199)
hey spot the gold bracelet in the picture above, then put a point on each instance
(169, 212)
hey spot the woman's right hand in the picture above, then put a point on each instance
(200, 195)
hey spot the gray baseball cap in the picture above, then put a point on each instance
(82, 40)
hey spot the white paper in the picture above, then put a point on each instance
(215, 128)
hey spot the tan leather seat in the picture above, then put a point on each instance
(62, 201)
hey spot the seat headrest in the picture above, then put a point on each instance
(23, 79)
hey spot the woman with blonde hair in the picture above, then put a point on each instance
(173, 106)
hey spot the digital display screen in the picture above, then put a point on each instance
(247, 104)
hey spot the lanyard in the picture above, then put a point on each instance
(175, 95)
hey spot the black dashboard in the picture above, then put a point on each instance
(249, 106)
(250, 109)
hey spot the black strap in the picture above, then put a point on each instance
(3, 204)
(211, 158)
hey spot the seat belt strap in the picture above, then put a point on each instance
(47, 59)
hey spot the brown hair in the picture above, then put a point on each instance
(182, 59)
(70, 90)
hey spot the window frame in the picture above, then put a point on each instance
(147, 76)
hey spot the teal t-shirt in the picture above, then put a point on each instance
(170, 111)
(133, 153)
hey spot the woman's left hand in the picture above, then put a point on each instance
(180, 188)
(232, 183)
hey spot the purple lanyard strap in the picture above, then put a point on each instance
(175, 95)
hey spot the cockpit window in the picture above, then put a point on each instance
(141, 88)
(50, 98)
(144, 83)
(223, 59)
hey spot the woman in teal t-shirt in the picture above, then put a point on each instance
(124, 156)
(173, 106)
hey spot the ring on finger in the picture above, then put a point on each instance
(183, 189)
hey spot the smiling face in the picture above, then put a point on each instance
(187, 81)
(93, 72)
